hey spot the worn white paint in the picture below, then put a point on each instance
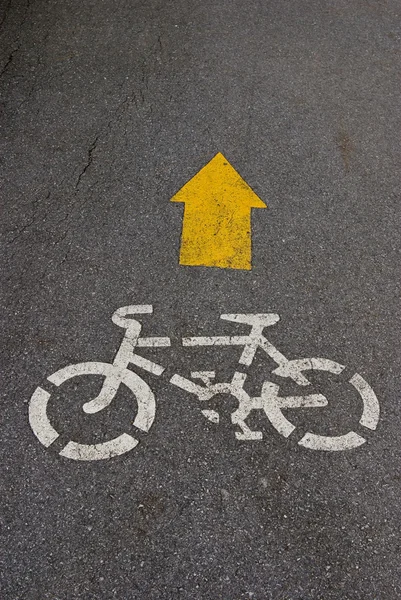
(38, 418)
(189, 386)
(206, 376)
(155, 342)
(147, 365)
(332, 443)
(371, 408)
(211, 415)
(293, 367)
(269, 402)
(120, 315)
(120, 445)
(114, 374)
(219, 340)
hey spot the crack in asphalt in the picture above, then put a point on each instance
(91, 150)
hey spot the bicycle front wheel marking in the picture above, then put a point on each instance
(38, 418)
(120, 445)
(46, 433)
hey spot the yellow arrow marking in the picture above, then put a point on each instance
(216, 229)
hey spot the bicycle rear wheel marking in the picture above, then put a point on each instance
(369, 419)
(331, 443)
(371, 408)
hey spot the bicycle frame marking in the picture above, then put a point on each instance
(269, 401)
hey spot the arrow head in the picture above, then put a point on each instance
(218, 182)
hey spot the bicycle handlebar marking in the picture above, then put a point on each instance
(270, 402)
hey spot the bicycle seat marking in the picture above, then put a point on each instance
(201, 385)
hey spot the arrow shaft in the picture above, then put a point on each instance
(216, 235)
(216, 230)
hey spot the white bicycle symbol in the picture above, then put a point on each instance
(269, 401)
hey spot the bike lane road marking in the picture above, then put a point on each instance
(216, 229)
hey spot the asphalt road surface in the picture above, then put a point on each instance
(108, 109)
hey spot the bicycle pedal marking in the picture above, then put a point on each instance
(212, 415)
(204, 388)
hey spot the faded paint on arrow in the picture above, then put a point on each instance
(216, 229)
